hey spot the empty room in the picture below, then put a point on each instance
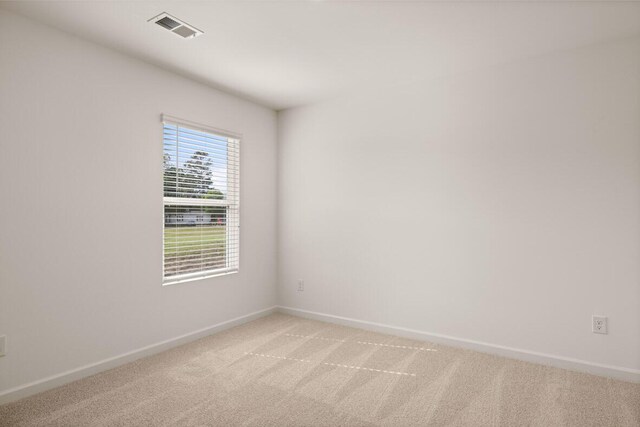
(320, 213)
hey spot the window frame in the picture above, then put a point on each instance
(232, 202)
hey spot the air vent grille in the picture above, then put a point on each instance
(167, 23)
(185, 32)
(176, 26)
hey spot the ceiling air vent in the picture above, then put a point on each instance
(176, 26)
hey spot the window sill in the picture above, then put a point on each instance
(199, 276)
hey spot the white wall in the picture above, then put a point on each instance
(501, 207)
(81, 204)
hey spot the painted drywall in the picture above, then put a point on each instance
(81, 204)
(500, 206)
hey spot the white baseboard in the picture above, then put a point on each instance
(25, 390)
(619, 373)
(53, 381)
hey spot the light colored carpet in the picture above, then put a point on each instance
(283, 370)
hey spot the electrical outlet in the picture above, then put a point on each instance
(599, 324)
(3, 345)
(300, 286)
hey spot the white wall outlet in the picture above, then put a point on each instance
(300, 286)
(599, 324)
(3, 345)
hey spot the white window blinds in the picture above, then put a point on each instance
(201, 201)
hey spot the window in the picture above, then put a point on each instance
(201, 201)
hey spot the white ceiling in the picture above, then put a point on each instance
(285, 53)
